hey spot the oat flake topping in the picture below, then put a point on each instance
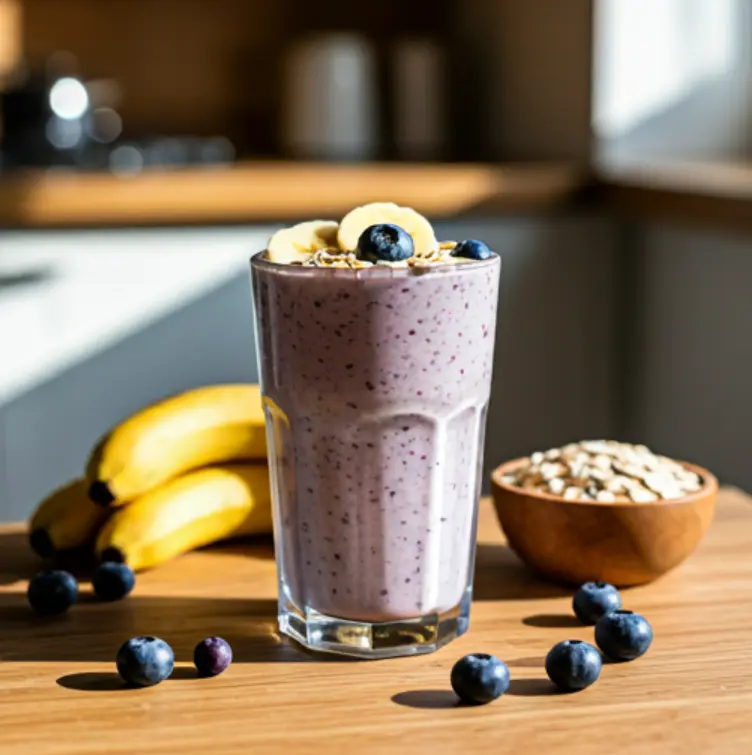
(605, 471)
(335, 258)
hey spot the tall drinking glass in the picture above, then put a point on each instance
(376, 384)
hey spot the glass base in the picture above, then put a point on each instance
(363, 639)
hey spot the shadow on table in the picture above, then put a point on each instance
(111, 681)
(94, 681)
(552, 621)
(17, 561)
(441, 699)
(427, 699)
(93, 632)
(500, 575)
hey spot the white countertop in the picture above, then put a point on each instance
(66, 295)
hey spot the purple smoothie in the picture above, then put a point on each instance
(377, 384)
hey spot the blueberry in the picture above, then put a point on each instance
(479, 678)
(623, 635)
(145, 661)
(573, 665)
(113, 581)
(472, 250)
(595, 599)
(212, 656)
(52, 592)
(386, 242)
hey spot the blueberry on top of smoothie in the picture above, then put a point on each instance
(472, 250)
(385, 242)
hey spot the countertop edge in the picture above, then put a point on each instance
(713, 194)
(706, 193)
(281, 191)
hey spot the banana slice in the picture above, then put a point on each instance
(299, 243)
(357, 220)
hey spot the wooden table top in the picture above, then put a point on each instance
(692, 692)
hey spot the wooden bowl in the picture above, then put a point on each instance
(621, 543)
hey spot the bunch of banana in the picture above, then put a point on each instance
(65, 520)
(177, 475)
(188, 512)
(210, 425)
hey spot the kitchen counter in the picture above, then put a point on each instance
(66, 296)
(715, 193)
(691, 693)
(264, 191)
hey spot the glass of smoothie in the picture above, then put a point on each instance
(375, 346)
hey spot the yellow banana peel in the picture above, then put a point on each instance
(209, 425)
(186, 513)
(64, 520)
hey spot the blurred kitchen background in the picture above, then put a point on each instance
(603, 147)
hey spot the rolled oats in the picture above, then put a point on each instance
(592, 491)
(434, 257)
(335, 258)
(605, 471)
(550, 470)
(602, 461)
(641, 495)
(620, 484)
(556, 486)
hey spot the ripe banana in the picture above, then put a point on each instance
(210, 425)
(186, 513)
(65, 519)
(357, 220)
(298, 243)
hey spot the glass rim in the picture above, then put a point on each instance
(258, 260)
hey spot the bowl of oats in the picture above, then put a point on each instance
(603, 511)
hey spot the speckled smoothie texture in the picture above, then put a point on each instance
(377, 384)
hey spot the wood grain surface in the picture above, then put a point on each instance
(692, 692)
(264, 191)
